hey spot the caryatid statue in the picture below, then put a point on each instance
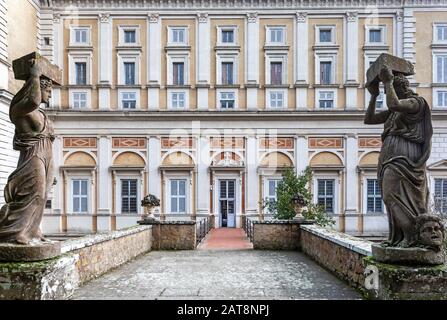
(28, 186)
(406, 147)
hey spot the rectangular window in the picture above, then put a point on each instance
(379, 100)
(272, 186)
(178, 35)
(375, 35)
(178, 73)
(441, 68)
(80, 196)
(326, 194)
(129, 196)
(441, 195)
(276, 99)
(325, 72)
(79, 100)
(178, 196)
(441, 33)
(442, 98)
(277, 35)
(81, 73)
(178, 100)
(325, 35)
(227, 100)
(130, 36)
(276, 72)
(227, 73)
(129, 100)
(228, 36)
(81, 35)
(374, 197)
(129, 73)
(326, 99)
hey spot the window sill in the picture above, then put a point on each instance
(326, 47)
(177, 86)
(79, 86)
(332, 85)
(277, 86)
(228, 86)
(438, 45)
(129, 47)
(276, 47)
(177, 47)
(128, 86)
(227, 47)
(379, 46)
(80, 47)
(439, 84)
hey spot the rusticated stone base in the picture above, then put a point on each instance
(10, 252)
(408, 256)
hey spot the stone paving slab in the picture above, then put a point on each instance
(226, 239)
(217, 275)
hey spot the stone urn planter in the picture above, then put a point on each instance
(299, 202)
(150, 204)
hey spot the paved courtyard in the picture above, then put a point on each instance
(217, 273)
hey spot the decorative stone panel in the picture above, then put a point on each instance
(177, 143)
(129, 143)
(277, 143)
(79, 143)
(370, 142)
(325, 143)
(224, 143)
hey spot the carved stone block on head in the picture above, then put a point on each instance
(50, 72)
(396, 64)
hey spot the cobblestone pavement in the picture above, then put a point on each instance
(218, 274)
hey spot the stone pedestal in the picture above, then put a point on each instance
(10, 252)
(408, 256)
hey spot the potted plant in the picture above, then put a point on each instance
(150, 202)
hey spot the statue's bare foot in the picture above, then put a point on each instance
(22, 240)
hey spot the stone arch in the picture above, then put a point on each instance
(369, 159)
(129, 158)
(231, 158)
(276, 159)
(326, 158)
(80, 159)
(177, 158)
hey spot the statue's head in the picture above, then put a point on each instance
(45, 89)
(402, 86)
(431, 231)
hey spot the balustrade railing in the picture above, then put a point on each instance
(203, 227)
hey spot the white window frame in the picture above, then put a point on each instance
(73, 58)
(317, 98)
(328, 176)
(122, 39)
(73, 30)
(317, 35)
(226, 57)
(435, 69)
(71, 98)
(178, 57)
(235, 30)
(435, 98)
(275, 57)
(268, 100)
(365, 179)
(323, 91)
(266, 185)
(171, 36)
(128, 176)
(70, 190)
(268, 38)
(382, 29)
(326, 57)
(131, 57)
(170, 102)
(121, 92)
(219, 97)
(437, 175)
(188, 202)
(435, 33)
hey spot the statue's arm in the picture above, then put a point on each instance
(371, 117)
(33, 99)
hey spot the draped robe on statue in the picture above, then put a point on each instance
(406, 145)
(27, 188)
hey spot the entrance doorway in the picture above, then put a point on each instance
(227, 203)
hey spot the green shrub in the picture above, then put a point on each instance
(290, 185)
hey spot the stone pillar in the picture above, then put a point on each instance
(203, 61)
(58, 56)
(399, 34)
(252, 60)
(203, 183)
(58, 189)
(105, 60)
(351, 184)
(251, 186)
(301, 60)
(104, 179)
(154, 181)
(301, 153)
(3, 46)
(154, 61)
(352, 61)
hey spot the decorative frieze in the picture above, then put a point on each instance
(276, 143)
(252, 17)
(153, 17)
(370, 142)
(222, 143)
(203, 17)
(325, 143)
(83, 142)
(301, 16)
(104, 17)
(351, 16)
(177, 143)
(129, 143)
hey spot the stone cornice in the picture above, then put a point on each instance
(240, 4)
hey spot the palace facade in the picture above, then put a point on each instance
(205, 103)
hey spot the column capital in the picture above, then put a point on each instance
(203, 17)
(252, 17)
(400, 16)
(153, 17)
(104, 17)
(301, 16)
(56, 17)
(352, 16)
